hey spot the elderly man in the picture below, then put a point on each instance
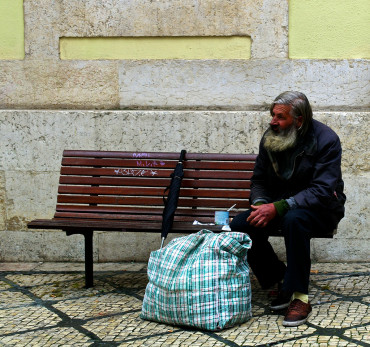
(297, 186)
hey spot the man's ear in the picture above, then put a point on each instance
(299, 121)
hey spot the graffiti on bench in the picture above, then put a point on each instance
(141, 163)
(135, 172)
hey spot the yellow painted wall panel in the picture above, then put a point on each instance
(11, 29)
(99, 48)
(329, 29)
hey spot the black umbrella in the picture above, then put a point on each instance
(170, 204)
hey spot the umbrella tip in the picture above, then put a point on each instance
(163, 238)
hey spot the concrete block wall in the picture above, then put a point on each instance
(48, 104)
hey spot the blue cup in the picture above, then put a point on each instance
(222, 217)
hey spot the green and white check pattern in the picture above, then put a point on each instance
(200, 280)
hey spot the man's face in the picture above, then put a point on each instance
(283, 130)
(281, 118)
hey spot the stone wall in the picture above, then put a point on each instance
(48, 104)
(32, 143)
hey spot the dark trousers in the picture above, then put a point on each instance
(296, 226)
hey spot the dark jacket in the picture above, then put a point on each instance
(310, 173)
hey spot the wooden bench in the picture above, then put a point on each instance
(123, 192)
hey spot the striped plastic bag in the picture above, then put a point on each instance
(200, 280)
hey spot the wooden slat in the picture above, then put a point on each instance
(109, 209)
(158, 155)
(158, 182)
(144, 173)
(138, 191)
(107, 216)
(86, 224)
(149, 201)
(137, 210)
(109, 200)
(130, 217)
(119, 154)
(215, 203)
(227, 175)
(135, 191)
(119, 172)
(159, 164)
(219, 165)
(119, 163)
(220, 193)
(115, 181)
(220, 156)
(109, 225)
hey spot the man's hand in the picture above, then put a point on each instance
(262, 215)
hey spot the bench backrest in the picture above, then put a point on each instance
(130, 185)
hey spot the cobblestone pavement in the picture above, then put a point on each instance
(46, 304)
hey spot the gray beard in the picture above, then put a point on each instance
(278, 142)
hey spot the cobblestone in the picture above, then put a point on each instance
(46, 304)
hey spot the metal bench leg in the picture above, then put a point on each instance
(89, 262)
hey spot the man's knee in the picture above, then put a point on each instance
(298, 221)
(297, 216)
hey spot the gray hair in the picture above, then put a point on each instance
(300, 107)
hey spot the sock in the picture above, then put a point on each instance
(300, 296)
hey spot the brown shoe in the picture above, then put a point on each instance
(297, 313)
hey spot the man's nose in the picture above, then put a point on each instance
(274, 121)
